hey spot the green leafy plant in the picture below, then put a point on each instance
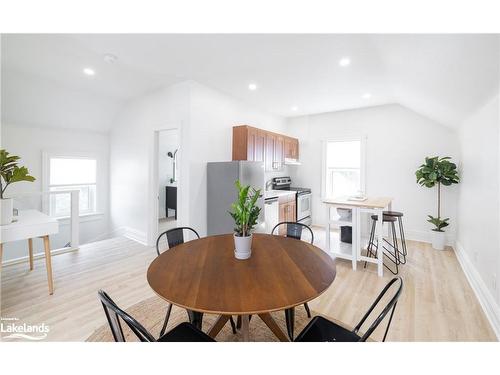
(10, 172)
(434, 172)
(244, 211)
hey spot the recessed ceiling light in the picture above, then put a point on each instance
(109, 58)
(345, 61)
(252, 87)
(294, 108)
(366, 95)
(89, 71)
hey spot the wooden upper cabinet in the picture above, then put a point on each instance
(291, 148)
(254, 144)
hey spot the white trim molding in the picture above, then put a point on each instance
(486, 299)
(134, 235)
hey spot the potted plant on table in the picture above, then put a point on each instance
(10, 173)
(437, 171)
(245, 213)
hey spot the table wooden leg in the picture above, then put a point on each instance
(218, 325)
(273, 326)
(48, 263)
(30, 248)
(245, 321)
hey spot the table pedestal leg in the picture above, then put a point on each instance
(30, 249)
(48, 263)
(218, 325)
(245, 321)
(273, 326)
(195, 318)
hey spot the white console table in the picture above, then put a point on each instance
(372, 205)
(31, 224)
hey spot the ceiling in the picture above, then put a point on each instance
(444, 77)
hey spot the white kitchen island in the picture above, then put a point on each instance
(371, 205)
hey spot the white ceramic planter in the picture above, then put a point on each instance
(7, 208)
(438, 240)
(243, 247)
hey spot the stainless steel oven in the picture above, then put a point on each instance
(303, 198)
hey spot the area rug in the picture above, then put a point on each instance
(151, 314)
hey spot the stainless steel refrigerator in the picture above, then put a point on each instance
(221, 192)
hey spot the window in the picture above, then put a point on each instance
(343, 172)
(71, 173)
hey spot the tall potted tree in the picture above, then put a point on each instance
(10, 173)
(437, 171)
(245, 213)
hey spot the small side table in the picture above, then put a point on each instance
(171, 199)
(31, 224)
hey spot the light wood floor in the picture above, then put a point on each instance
(437, 303)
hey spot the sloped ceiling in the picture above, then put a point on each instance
(444, 77)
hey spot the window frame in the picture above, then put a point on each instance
(46, 157)
(362, 139)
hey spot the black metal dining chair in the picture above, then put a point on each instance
(321, 329)
(294, 230)
(172, 238)
(184, 332)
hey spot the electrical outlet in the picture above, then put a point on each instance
(474, 255)
(494, 281)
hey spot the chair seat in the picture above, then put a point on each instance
(385, 219)
(393, 213)
(321, 329)
(185, 332)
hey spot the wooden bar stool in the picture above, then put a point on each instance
(391, 252)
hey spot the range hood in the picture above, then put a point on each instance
(289, 161)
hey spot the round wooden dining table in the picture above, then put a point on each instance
(203, 276)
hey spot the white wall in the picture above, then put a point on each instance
(131, 158)
(478, 241)
(168, 141)
(29, 143)
(205, 118)
(398, 140)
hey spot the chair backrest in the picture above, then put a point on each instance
(391, 306)
(174, 237)
(114, 313)
(294, 230)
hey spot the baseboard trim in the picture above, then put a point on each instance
(486, 299)
(134, 235)
(36, 256)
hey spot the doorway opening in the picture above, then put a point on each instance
(168, 178)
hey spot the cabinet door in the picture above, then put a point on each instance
(269, 152)
(259, 145)
(292, 212)
(251, 139)
(283, 217)
(295, 148)
(279, 153)
(289, 148)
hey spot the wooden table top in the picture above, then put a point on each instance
(203, 275)
(369, 202)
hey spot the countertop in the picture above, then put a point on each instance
(277, 193)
